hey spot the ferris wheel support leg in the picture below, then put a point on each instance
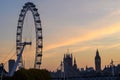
(18, 58)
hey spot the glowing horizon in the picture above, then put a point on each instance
(80, 26)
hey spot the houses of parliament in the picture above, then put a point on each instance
(68, 68)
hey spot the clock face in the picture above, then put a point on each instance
(98, 60)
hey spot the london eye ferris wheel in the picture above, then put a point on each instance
(29, 6)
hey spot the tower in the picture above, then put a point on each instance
(67, 62)
(68, 59)
(97, 62)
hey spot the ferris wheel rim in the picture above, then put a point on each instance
(29, 6)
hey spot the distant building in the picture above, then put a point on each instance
(69, 70)
(97, 62)
(11, 64)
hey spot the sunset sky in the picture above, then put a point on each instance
(82, 26)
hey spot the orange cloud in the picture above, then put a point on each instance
(96, 34)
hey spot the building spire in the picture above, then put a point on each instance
(97, 53)
(74, 61)
(75, 65)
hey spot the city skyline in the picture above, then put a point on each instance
(80, 26)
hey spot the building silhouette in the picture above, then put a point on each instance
(70, 66)
(97, 62)
(70, 71)
(67, 60)
(11, 63)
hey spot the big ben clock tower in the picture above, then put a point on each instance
(97, 62)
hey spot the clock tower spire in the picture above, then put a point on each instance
(97, 62)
